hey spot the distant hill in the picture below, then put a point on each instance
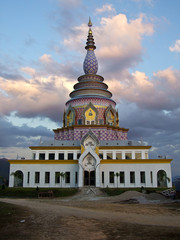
(4, 169)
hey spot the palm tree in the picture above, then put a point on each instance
(18, 178)
(62, 175)
(162, 178)
(17, 174)
(117, 175)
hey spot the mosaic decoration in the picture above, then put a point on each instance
(90, 63)
(91, 77)
(93, 100)
(101, 133)
(91, 84)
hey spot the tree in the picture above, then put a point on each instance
(62, 176)
(117, 175)
(18, 178)
(17, 174)
(162, 178)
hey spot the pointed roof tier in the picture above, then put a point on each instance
(90, 84)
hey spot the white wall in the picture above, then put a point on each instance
(106, 168)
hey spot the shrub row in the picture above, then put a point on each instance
(33, 192)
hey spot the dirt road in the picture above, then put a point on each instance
(94, 219)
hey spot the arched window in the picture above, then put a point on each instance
(90, 116)
(110, 118)
(18, 178)
(70, 118)
(162, 178)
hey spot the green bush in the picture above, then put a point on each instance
(33, 192)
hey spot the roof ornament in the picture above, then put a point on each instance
(89, 23)
(90, 63)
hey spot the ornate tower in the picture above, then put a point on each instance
(90, 105)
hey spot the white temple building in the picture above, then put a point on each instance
(91, 149)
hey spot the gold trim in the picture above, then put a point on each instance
(136, 161)
(55, 147)
(120, 161)
(124, 147)
(43, 161)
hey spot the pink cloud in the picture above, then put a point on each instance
(118, 40)
(161, 92)
(175, 47)
(41, 95)
(46, 58)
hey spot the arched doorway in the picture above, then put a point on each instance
(18, 178)
(162, 178)
(89, 178)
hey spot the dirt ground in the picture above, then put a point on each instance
(79, 218)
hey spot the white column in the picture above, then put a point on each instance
(46, 155)
(80, 177)
(75, 155)
(98, 176)
(32, 179)
(123, 154)
(56, 155)
(52, 178)
(114, 154)
(65, 155)
(143, 154)
(133, 154)
(104, 155)
(37, 155)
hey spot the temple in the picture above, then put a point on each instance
(90, 149)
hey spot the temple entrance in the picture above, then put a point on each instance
(89, 178)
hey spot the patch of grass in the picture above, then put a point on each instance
(33, 193)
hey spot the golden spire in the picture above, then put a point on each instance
(89, 23)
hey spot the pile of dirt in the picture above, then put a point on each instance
(143, 198)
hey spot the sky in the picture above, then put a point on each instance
(41, 56)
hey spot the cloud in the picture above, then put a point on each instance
(9, 72)
(30, 71)
(156, 128)
(161, 92)
(175, 47)
(118, 41)
(46, 58)
(20, 136)
(43, 94)
(105, 8)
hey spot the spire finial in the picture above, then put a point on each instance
(90, 63)
(89, 23)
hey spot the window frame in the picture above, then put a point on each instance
(37, 177)
(132, 177)
(68, 177)
(47, 177)
(111, 177)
